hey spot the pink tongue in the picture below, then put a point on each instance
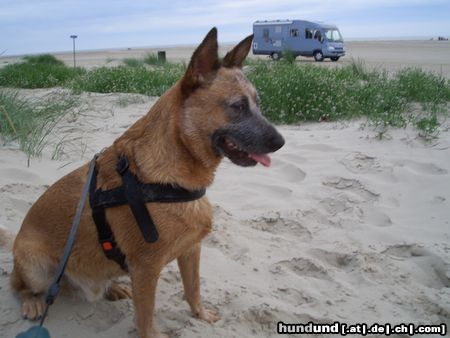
(261, 158)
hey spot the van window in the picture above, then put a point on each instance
(318, 35)
(308, 33)
(294, 32)
(333, 35)
(266, 33)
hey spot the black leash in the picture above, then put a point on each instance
(132, 192)
(54, 288)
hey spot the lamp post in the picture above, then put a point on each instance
(73, 37)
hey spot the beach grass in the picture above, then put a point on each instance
(290, 93)
(133, 62)
(124, 79)
(43, 71)
(30, 122)
(152, 59)
(293, 94)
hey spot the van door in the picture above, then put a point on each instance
(313, 41)
(293, 39)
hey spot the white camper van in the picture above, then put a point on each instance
(300, 37)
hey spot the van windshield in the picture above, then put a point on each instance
(333, 35)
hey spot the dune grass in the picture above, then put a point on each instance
(124, 79)
(42, 71)
(290, 93)
(152, 60)
(133, 62)
(30, 122)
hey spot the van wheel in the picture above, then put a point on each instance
(334, 58)
(275, 56)
(318, 56)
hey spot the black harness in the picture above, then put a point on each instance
(136, 194)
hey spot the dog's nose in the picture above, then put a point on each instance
(277, 141)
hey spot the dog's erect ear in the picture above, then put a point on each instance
(236, 57)
(204, 62)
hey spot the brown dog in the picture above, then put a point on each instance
(211, 112)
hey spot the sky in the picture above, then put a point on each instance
(38, 26)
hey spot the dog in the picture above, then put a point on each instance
(212, 112)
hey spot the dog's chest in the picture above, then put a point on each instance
(191, 223)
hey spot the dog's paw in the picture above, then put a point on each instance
(118, 290)
(209, 315)
(33, 308)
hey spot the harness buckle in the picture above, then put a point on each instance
(108, 245)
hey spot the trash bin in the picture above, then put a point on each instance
(162, 56)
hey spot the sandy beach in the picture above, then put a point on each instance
(429, 55)
(342, 227)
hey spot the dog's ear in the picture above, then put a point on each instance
(204, 62)
(236, 57)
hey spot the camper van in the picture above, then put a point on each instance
(300, 37)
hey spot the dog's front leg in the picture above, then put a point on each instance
(189, 264)
(144, 280)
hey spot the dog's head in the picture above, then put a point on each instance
(221, 112)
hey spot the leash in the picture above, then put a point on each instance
(132, 192)
(53, 290)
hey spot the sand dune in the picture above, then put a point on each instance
(343, 227)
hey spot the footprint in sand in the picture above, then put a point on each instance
(304, 267)
(290, 173)
(375, 217)
(359, 163)
(432, 270)
(278, 224)
(294, 296)
(335, 259)
(351, 185)
(421, 168)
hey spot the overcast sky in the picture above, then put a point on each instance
(35, 26)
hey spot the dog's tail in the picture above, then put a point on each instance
(6, 239)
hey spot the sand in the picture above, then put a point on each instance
(343, 227)
(392, 56)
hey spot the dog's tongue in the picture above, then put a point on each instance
(261, 158)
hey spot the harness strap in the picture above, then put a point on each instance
(136, 194)
(104, 232)
(135, 200)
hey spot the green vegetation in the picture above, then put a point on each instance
(288, 56)
(123, 79)
(41, 71)
(30, 122)
(152, 59)
(43, 59)
(292, 93)
(289, 92)
(132, 62)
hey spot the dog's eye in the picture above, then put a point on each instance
(241, 106)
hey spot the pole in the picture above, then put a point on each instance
(73, 39)
(74, 62)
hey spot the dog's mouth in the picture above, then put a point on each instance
(239, 156)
